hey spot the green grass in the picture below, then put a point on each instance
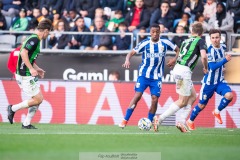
(64, 142)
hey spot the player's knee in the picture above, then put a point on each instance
(229, 96)
(154, 99)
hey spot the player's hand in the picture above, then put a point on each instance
(228, 57)
(41, 72)
(126, 64)
(33, 72)
(205, 71)
(171, 62)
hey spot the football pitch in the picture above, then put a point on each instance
(67, 142)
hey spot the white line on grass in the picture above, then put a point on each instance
(81, 133)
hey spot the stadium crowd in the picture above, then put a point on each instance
(122, 16)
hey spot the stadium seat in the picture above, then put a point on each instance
(7, 40)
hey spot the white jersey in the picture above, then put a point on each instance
(153, 57)
(215, 55)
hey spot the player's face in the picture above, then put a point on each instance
(215, 39)
(155, 33)
(45, 33)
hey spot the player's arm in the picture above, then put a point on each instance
(215, 65)
(172, 61)
(128, 57)
(204, 60)
(25, 58)
(40, 71)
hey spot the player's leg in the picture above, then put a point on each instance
(140, 86)
(206, 92)
(155, 89)
(27, 122)
(30, 87)
(224, 90)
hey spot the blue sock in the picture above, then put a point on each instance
(128, 114)
(224, 102)
(150, 116)
(195, 112)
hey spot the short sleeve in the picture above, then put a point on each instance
(202, 45)
(141, 45)
(210, 54)
(170, 45)
(31, 44)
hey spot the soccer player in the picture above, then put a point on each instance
(27, 73)
(151, 69)
(214, 80)
(191, 49)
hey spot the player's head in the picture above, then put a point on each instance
(197, 29)
(215, 37)
(155, 32)
(44, 27)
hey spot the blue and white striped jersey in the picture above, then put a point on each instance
(215, 55)
(153, 57)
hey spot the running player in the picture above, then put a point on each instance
(27, 72)
(191, 49)
(214, 80)
(151, 69)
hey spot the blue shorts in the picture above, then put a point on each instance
(207, 91)
(154, 85)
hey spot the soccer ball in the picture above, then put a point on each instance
(144, 124)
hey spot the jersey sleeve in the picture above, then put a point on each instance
(140, 46)
(202, 45)
(170, 45)
(31, 44)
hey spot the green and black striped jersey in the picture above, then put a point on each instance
(190, 51)
(32, 44)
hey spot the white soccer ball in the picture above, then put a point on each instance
(144, 124)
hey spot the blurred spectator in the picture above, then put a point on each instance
(163, 15)
(100, 42)
(129, 5)
(163, 29)
(141, 36)
(32, 24)
(176, 7)
(179, 39)
(122, 41)
(52, 4)
(137, 17)
(99, 12)
(3, 23)
(86, 8)
(58, 40)
(184, 22)
(44, 13)
(112, 25)
(151, 5)
(193, 7)
(11, 7)
(37, 13)
(73, 15)
(20, 23)
(30, 4)
(114, 76)
(234, 7)
(56, 17)
(209, 9)
(110, 6)
(222, 20)
(80, 41)
(200, 18)
(67, 6)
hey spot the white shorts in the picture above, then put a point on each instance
(28, 84)
(183, 77)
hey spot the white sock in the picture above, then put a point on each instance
(31, 112)
(170, 111)
(19, 106)
(185, 112)
(217, 111)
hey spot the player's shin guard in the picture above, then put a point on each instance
(128, 113)
(31, 112)
(150, 116)
(224, 103)
(185, 112)
(195, 112)
(170, 111)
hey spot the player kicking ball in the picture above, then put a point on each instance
(214, 80)
(27, 72)
(151, 70)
